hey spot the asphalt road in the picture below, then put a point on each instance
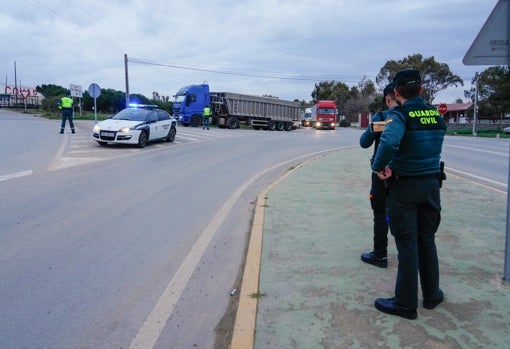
(119, 247)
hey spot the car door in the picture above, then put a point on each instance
(152, 121)
(164, 123)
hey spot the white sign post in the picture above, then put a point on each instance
(94, 91)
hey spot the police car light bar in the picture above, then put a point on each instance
(143, 106)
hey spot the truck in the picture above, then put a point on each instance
(324, 115)
(229, 109)
(306, 117)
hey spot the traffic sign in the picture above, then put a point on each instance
(492, 44)
(75, 91)
(94, 90)
(442, 108)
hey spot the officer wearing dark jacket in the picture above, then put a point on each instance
(408, 157)
(378, 256)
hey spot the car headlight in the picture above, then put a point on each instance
(97, 128)
(125, 129)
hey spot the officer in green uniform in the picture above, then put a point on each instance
(378, 256)
(408, 158)
(205, 116)
(66, 105)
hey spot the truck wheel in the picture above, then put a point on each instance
(196, 120)
(288, 126)
(232, 123)
(256, 127)
(271, 125)
(279, 126)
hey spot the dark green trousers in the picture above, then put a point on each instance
(414, 210)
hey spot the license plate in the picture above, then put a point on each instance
(107, 134)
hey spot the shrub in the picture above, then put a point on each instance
(345, 123)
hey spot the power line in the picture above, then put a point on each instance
(245, 72)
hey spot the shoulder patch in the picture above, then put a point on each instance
(388, 121)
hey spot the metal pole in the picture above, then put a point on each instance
(15, 86)
(506, 276)
(95, 111)
(127, 79)
(475, 111)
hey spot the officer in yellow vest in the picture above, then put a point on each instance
(66, 105)
(205, 117)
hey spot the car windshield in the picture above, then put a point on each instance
(132, 114)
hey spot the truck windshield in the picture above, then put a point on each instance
(326, 111)
(180, 98)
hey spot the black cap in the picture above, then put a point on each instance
(388, 89)
(407, 77)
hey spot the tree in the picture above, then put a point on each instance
(51, 90)
(331, 90)
(493, 91)
(436, 76)
(362, 98)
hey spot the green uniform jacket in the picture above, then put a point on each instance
(412, 140)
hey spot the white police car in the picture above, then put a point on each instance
(137, 124)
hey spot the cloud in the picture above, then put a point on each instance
(279, 47)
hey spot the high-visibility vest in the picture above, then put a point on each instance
(66, 102)
(207, 111)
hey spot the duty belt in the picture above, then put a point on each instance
(425, 176)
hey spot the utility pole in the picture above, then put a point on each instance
(15, 86)
(475, 111)
(127, 78)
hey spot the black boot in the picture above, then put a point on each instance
(371, 258)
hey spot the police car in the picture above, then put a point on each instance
(137, 124)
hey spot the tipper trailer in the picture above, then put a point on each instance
(230, 109)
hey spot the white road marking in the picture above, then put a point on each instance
(16, 175)
(505, 185)
(478, 150)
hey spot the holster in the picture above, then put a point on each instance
(442, 175)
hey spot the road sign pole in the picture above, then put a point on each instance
(490, 47)
(95, 111)
(506, 272)
(475, 110)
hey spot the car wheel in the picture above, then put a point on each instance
(142, 139)
(102, 143)
(171, 134)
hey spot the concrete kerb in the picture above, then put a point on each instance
(243, 335)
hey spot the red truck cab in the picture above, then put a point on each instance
(325, 115)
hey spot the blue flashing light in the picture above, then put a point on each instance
(142, 106)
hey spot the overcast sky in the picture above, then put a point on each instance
(277, 47)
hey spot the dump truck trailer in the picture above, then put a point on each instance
(229, 109)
